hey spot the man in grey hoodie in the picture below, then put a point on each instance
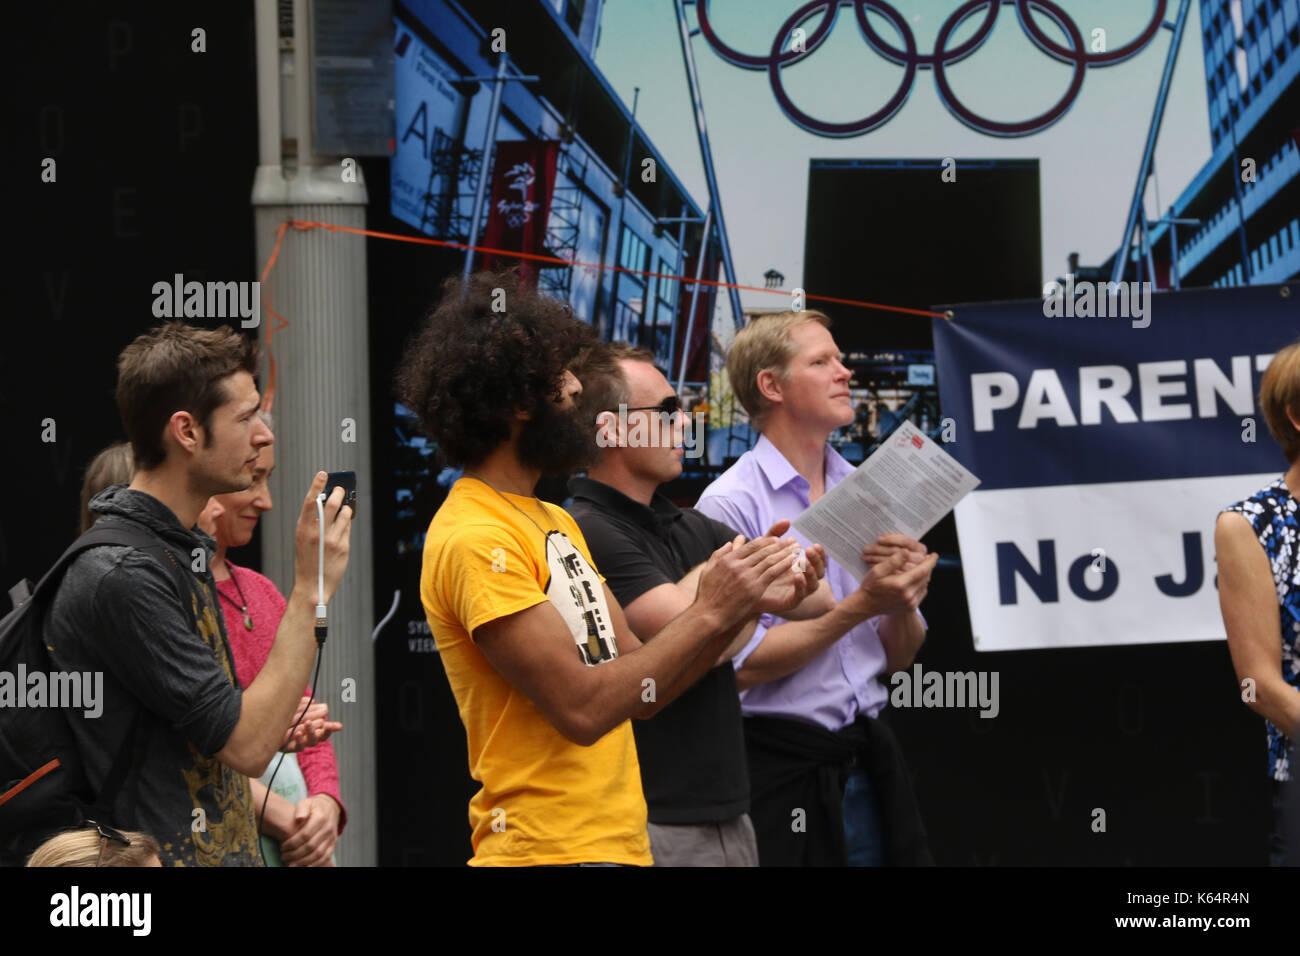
(189, 406)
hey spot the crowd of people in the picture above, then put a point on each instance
(201, 688)
(723, 704)
(639, 683)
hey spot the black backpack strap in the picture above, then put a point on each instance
(102, 534)
(107, 532)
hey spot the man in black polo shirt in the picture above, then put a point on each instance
(692, 753)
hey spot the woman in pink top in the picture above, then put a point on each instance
(252, 606)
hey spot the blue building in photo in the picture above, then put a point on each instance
(1247, 196)
(443, 54)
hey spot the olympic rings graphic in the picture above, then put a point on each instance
(1075, 55)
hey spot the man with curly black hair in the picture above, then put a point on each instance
(545, 671)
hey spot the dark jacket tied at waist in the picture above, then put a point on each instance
(795, 765)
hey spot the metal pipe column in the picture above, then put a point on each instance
(1148, 151)
(677, 300)
(323, 384)
(695, 296)
(706, 152)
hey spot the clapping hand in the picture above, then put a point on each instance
(899, 577)
(789, 590)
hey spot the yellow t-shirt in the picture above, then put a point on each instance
(544, 799)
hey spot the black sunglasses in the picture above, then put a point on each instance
(107, 833)
(669, 406)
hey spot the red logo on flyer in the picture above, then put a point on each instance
(916, 440)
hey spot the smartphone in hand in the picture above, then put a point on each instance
(347, 480)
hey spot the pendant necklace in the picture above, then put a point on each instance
(248, 620)
(545, 535)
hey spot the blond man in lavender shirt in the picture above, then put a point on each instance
(811, 690)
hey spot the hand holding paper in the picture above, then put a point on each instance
(889, 589)
(886, 545)
(892, 499)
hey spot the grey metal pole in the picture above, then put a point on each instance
(266, 30)
(695, 296)
(489, 140)
(706, 152)
(1148, 151)
(1146, 249)
(681, 264)
(618, 228)
(1174, 280)
(322, 398)
(1174, 222)
(1246, 271)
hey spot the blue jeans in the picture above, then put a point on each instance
(862, 837)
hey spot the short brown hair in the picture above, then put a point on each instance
(81, 848)
(604, 384)
(1279, 392)
(176, 367)
(112, 466)
(764, 344)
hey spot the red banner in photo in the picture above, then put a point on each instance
(523, 179)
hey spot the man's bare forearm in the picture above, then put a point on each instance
(705, 661)
(739, 641)
(655, 668)
(901, 635)
(272, 697)
(816, 604)
(690, 582)
(790, 645)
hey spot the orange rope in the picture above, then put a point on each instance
(28, 780)
(303, 225)
(269, 398)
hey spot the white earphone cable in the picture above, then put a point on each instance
(321, 625)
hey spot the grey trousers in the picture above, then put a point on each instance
(730, 843)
